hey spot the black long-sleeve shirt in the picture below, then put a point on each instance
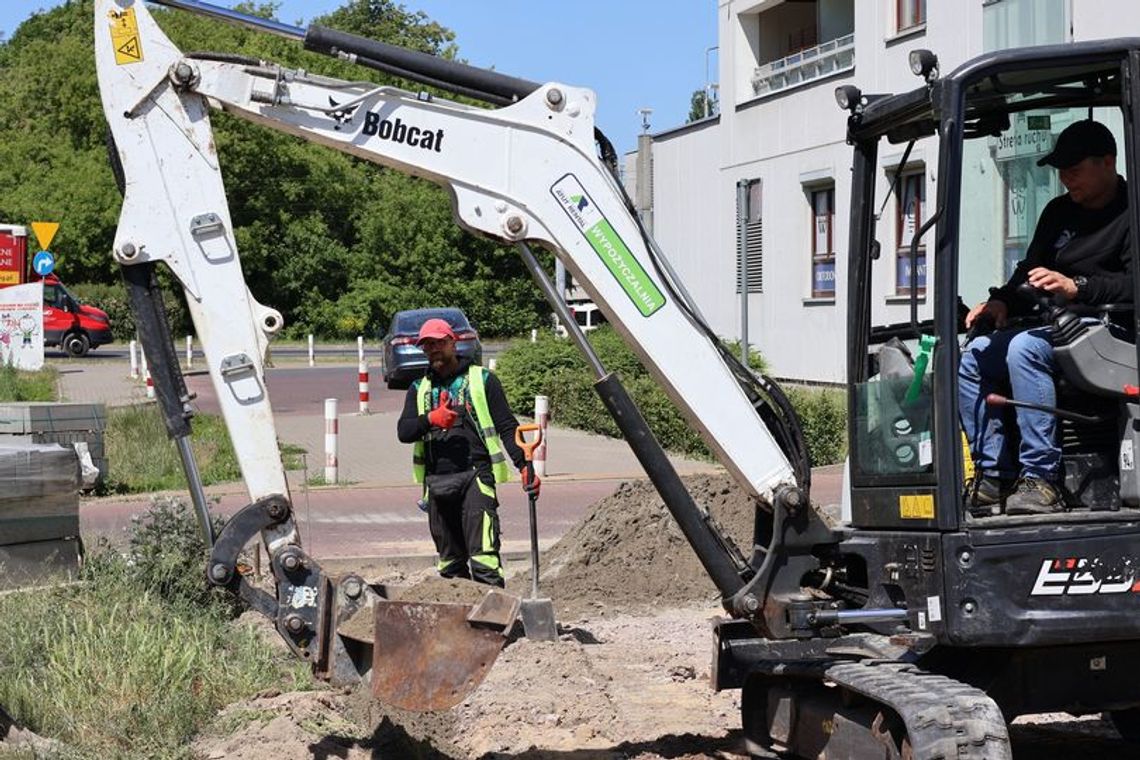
(1075, 241)
(460, 448)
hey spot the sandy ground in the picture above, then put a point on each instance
(628, 676)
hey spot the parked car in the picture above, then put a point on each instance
(586, 314)
(402, 359)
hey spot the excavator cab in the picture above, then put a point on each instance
(994, 118)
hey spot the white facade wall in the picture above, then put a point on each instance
(684, 169)
(793, 140)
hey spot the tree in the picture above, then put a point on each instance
(333, 242)
(697, 104)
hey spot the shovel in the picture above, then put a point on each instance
(537, 614)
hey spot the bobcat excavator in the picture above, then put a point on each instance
(912, 629)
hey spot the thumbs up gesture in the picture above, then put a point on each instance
(443, 416)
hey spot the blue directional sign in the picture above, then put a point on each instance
(43, 262)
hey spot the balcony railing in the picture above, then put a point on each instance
(805, 66)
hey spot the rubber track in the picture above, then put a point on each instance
(944, 719)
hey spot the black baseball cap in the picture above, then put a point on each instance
(1078, 141)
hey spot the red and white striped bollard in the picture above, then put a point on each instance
(331, 435)
(542, 419)
(362, 380)
(146, 375)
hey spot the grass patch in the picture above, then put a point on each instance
(318, 479)
(138, 659)
(24, 385)
(143, 459)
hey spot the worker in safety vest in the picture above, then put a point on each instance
(457, 417)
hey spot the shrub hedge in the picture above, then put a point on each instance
(553, 367)
(112, 298)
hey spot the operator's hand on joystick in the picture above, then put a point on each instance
(531, 483)
(444, 415)
(1053, 282)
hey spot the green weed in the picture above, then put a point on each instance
(24, 385)
(139, 658)
(142, 457)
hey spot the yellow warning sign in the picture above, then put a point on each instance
(125, 37)
(45, 233)
(916, 507)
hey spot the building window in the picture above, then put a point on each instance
(909, 14)
(823, 243)
(911, 207)
(749, 224)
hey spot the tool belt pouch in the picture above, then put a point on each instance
(451, 485)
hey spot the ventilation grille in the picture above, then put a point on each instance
(754, 242)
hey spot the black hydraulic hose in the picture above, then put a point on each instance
(387, 68)
(420, 67)
(690, 518)
(459, 78)
(150, 317)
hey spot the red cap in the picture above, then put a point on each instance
(435, 328)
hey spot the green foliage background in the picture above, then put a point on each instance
(335, 243)
(553, 367)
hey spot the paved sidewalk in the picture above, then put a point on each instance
(369, 452)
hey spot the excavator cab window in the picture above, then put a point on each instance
(1003, 194)
(908, 462)
(1004, 191)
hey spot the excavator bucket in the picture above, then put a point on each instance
(430, 656)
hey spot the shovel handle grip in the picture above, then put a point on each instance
(528, 447)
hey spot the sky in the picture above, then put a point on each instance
(633, 53)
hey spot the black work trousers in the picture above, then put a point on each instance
(463, 516)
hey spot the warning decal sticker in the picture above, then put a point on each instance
(125, 37)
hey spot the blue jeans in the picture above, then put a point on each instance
(1025, 360)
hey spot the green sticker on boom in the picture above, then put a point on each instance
(608, 245)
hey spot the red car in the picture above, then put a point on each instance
(69, 324)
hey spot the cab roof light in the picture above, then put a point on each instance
(924, 63)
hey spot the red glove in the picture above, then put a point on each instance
(531, 483)
(443, 416)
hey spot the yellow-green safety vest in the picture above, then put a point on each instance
(478, 390)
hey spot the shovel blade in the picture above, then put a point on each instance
(538, 619)
(427, 656)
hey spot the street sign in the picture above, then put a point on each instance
(45, 233)
(43, 263)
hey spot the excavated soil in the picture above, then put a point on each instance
(628, 676)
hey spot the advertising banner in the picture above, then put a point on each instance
(13, 253)
(22, 326)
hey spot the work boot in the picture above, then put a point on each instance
(1034, 496)
(985, 495)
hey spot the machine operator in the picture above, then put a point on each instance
(1080, 250)
(457, 417)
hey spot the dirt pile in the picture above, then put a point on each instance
(625, 687)
(629, 554)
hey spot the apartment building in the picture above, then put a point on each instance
(778, 144)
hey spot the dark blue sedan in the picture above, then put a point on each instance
(403, 361)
